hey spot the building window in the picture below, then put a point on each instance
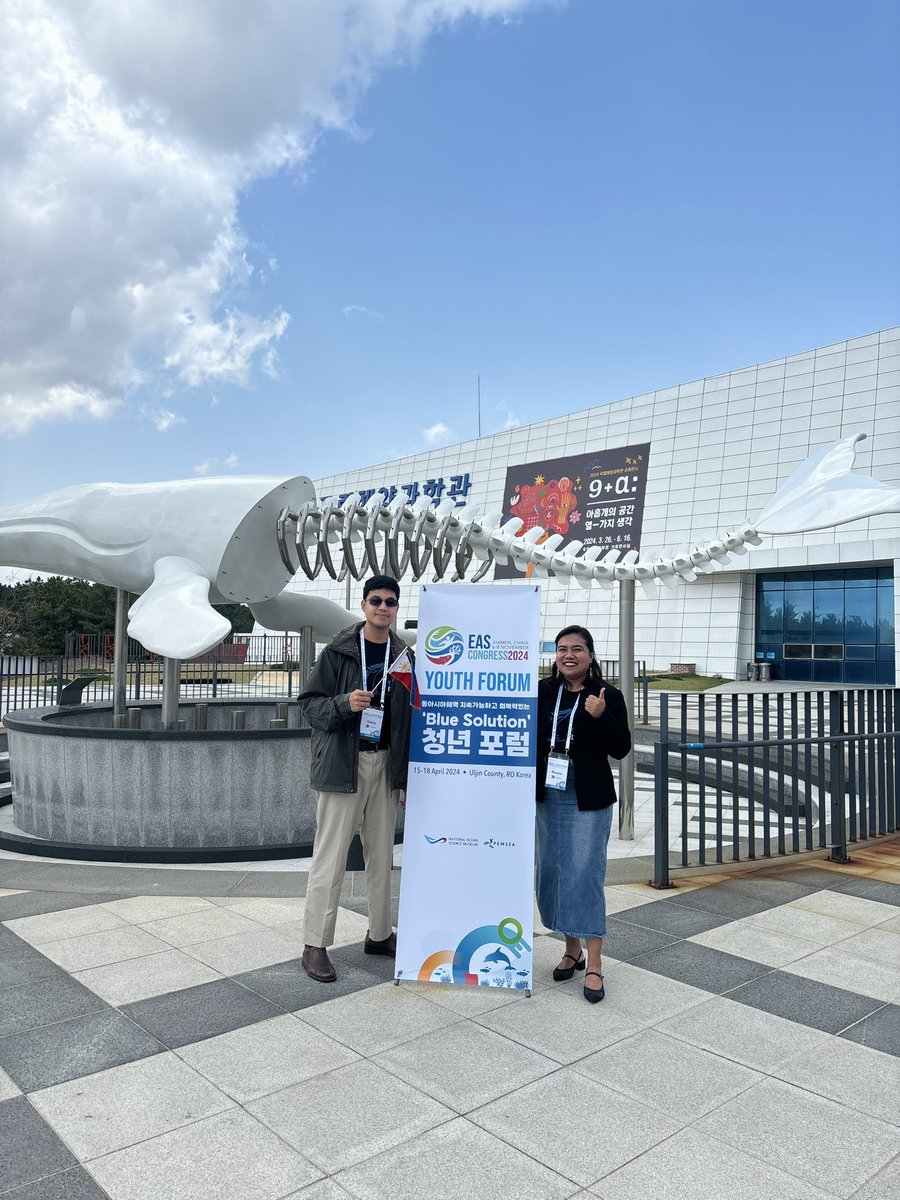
(830, 626)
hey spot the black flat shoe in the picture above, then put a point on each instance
(562, 973)
(593, 995)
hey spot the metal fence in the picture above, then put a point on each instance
(748, 775)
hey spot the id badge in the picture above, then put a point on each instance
(370, 726)
(557, 771)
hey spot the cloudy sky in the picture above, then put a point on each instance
(286, 237)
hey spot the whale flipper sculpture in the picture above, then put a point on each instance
(179, 585)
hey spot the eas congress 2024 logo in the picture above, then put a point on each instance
(444, 645)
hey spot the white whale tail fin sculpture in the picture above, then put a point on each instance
(825, 491)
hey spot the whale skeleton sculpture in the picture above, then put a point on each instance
(396, 538)
(187, 545)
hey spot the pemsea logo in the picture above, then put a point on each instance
(495, 845)
(444, 645)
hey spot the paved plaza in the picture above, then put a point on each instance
(159, 1038)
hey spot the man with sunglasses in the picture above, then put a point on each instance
(359, 758)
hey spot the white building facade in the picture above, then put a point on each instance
(816, 606)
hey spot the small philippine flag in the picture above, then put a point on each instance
(402, 670)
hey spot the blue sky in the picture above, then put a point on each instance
(580, 201)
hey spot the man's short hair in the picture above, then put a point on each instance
(387, 582)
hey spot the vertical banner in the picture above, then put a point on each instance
(597, 498)
(466, 894)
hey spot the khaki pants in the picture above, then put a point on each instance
(372, 810)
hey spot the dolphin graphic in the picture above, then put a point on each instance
(498, 956)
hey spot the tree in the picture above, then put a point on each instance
(9, 626)
(45, 610)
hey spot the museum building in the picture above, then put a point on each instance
(662, 471)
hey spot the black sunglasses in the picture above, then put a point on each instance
(377, 601)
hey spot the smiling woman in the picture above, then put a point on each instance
(582, 722)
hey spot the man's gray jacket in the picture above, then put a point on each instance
(325, 704)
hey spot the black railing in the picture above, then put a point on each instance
(774, 773)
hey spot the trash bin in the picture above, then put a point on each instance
(752, 671)
(765, 672)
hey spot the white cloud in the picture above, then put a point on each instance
(350, 310)
(163, 418)
(437, 433)
(127, 134)
(212, 466)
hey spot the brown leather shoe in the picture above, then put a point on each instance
(388, 946)
(318, 965)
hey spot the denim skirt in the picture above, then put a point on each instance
(571, 864)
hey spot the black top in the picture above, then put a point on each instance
(594, 740)
(375, 652)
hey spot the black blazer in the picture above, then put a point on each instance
(594, 741)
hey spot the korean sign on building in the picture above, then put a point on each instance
(596, 499)
(436, 489)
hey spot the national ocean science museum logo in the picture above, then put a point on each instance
(444, 646)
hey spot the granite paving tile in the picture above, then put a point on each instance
(883, 1186)
(194, 928)
(31, 1149)
(267, 910)
(812, 876)
(179, 1018)
(728, 904)
(348, 1115)
(846, 907)
(226, 1157)
(8, 1089)
(288, 985)
(25, 966)
(29, 904)
(665, 1073)
(99, 949)
(559, 1024)
(464, 1065)
(787, 1127)
(748, 940)
(258, 1059)
(72, 1184)
(39, 1058)
(675, 919)
(880, 1030)
(864, 976)
(555, 1120)
(467, 1160)
(274, 883)
(879, 943)
(702, 967)
(53, 926)
(640, 997)
(28, 1005)
(246, 951)
(744, 1035)
(139, 910)
(159, 881)
(349, 929)
(127, 1104)
(354, 956)
(325, 1189)
(84, 878)
(377, 1018)
(871, 889)
(627, 942)
(139, 978)
(803, 923)
(805, 1001)
(853, 1075)
(693, 1165)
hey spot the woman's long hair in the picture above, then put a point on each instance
(594, 672)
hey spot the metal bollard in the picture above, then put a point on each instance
(201, 716)
(281, 711)
(120, 721)
(134, 718)
(278, 723)
(238, 718)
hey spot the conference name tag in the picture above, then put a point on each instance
(557, 770)
(370, 726)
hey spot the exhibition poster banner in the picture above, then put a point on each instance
(466, 894)
(596, 498)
